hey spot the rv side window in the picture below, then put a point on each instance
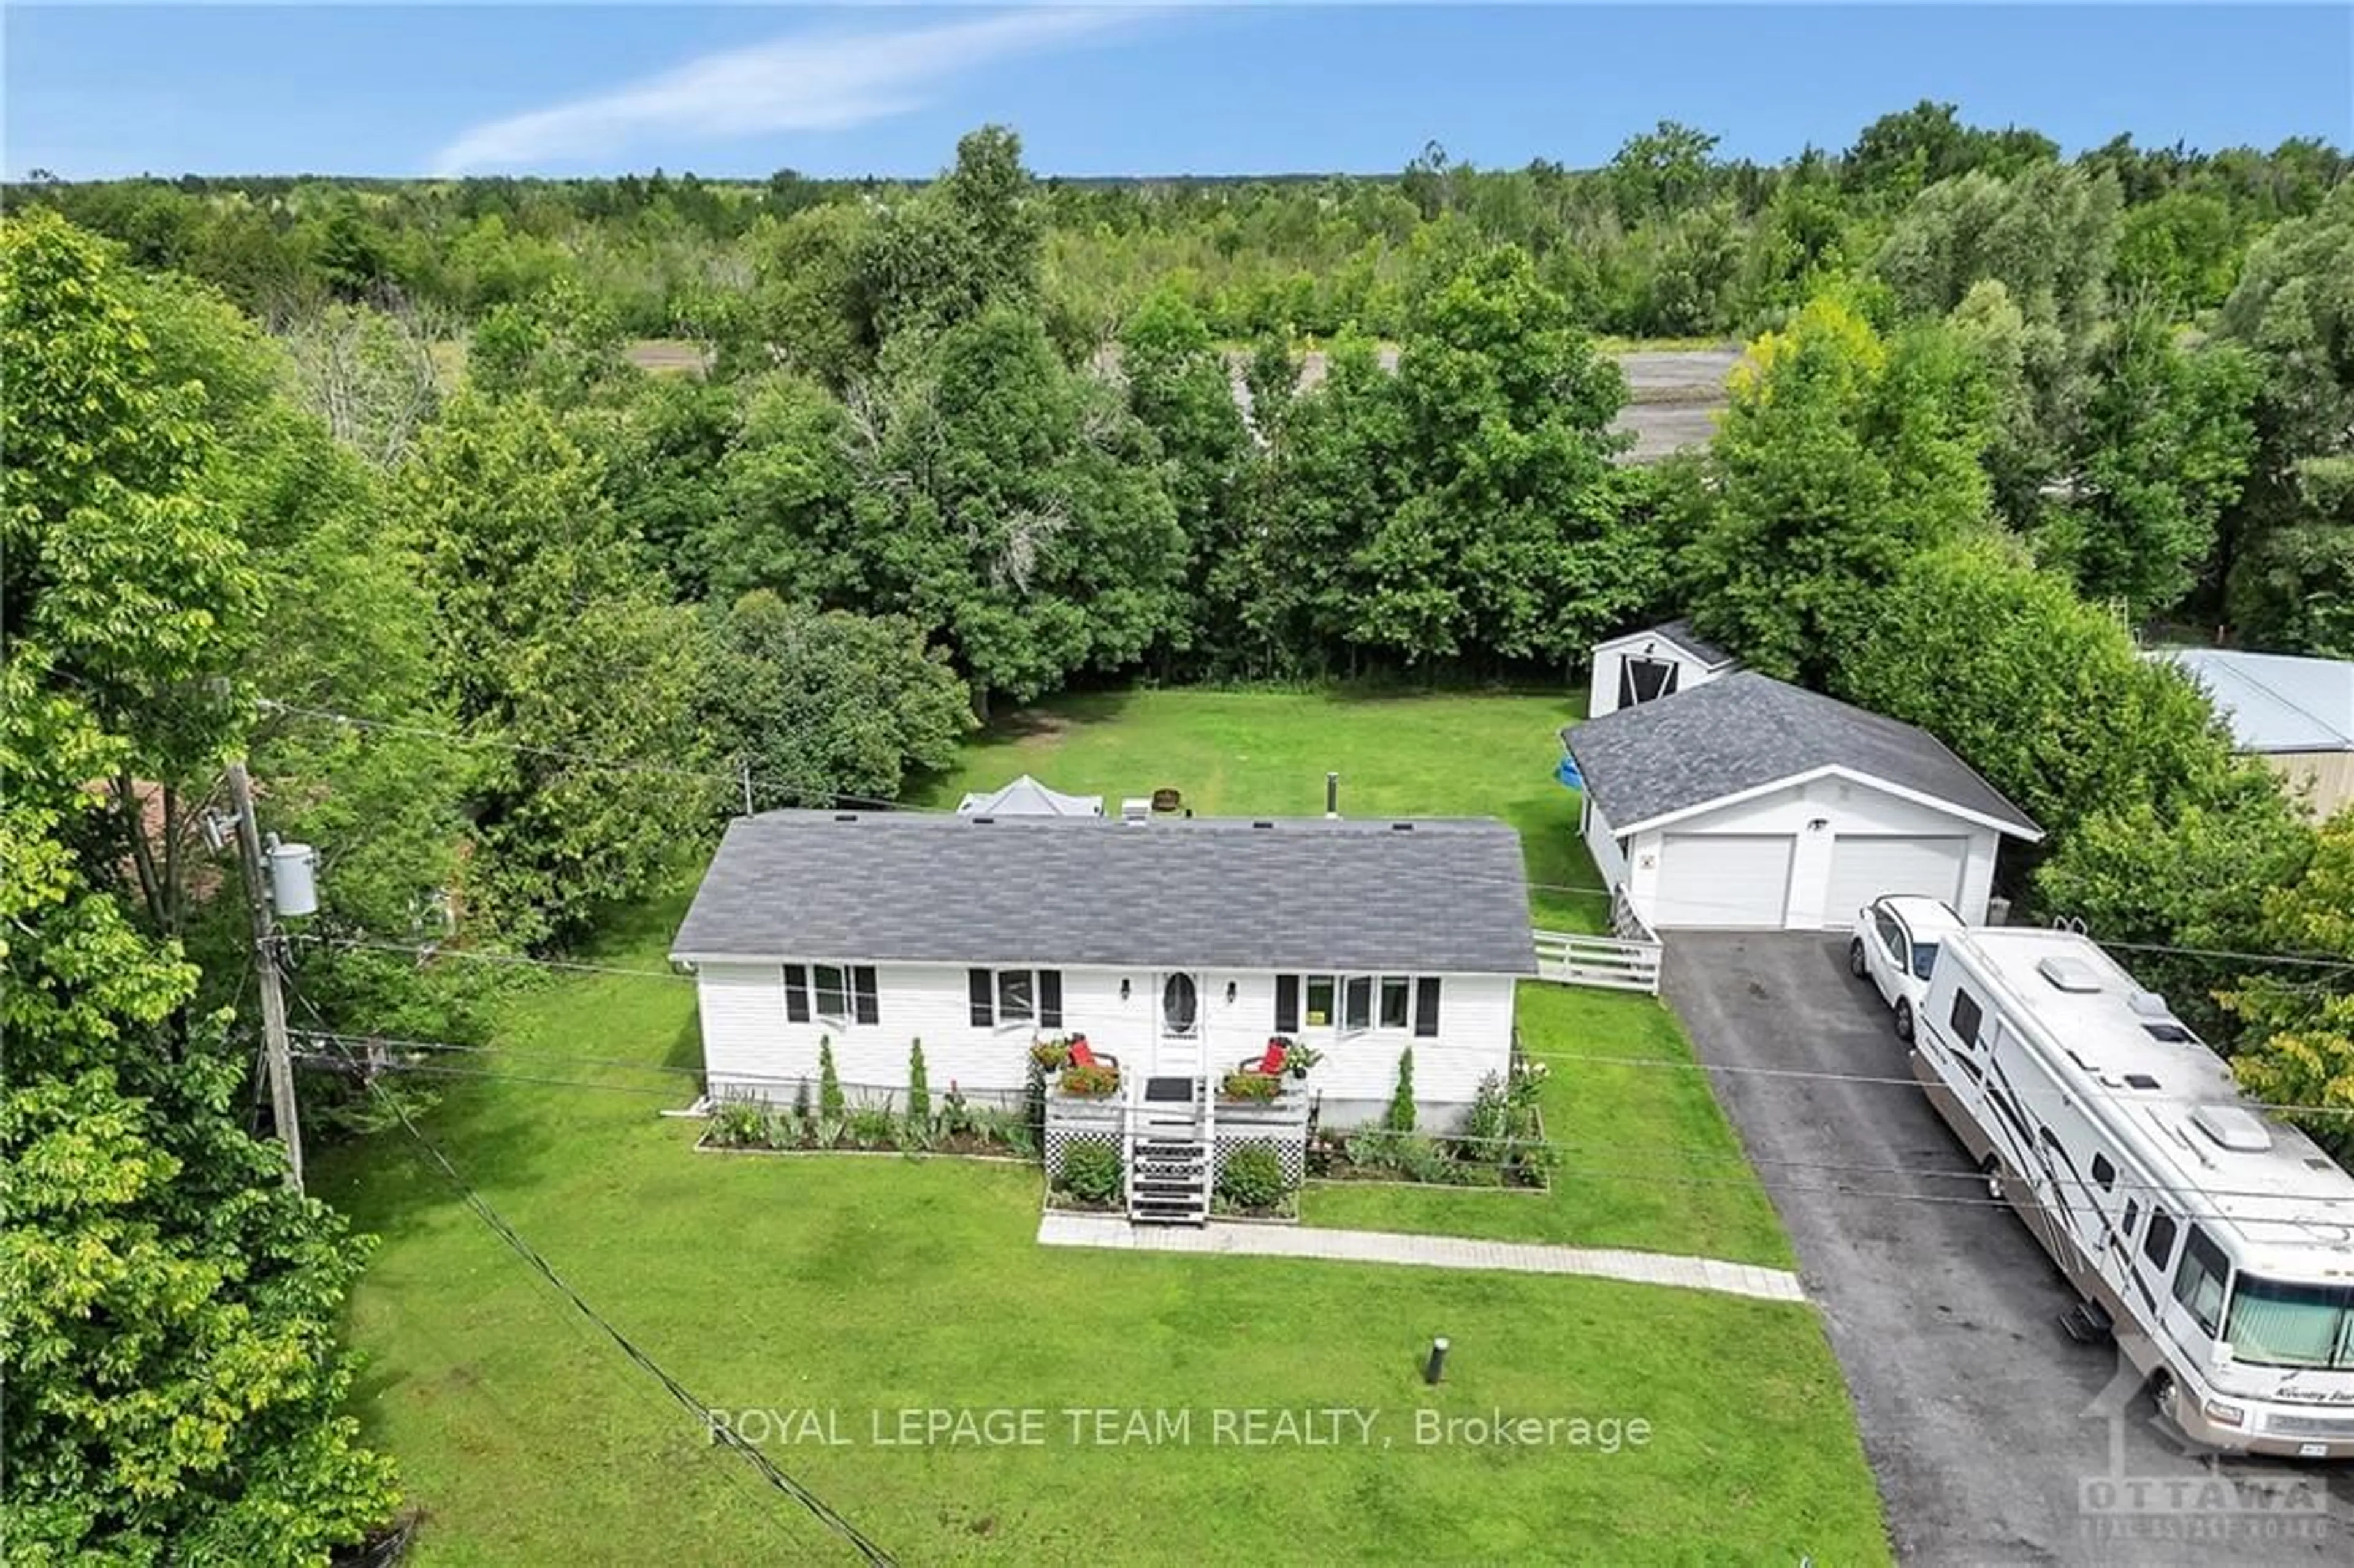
(2199, 1282)
(2159, 1245)
(2133, 1216)
(2104, 1173)
(1966, 1016)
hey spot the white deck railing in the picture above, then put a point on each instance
(1611, 963)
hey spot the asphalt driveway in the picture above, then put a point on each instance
(1990, 1432)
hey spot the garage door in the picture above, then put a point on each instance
(1865, 866)
(1724, 879)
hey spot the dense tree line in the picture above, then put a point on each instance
(359, 480)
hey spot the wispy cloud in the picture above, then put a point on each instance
(810, 81)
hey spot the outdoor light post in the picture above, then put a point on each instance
(1435, 1367)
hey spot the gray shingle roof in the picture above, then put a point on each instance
(1680, 632)
(1745, 730)
(1444, 896)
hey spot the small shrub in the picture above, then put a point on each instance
(1527, 1082)
(1093, 1082)
(920, 1092)
(829, 1084)
(1250, 1086)
(802, 1105)
(1091, 1172)
(1399, 1118)
(1252, 1177)
(956, 1117)
(1010, 1128)
(742, 1124)
(874, 1125)
(1484, 1128)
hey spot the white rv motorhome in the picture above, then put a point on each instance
(2216, 1242)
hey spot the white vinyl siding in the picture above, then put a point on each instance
(749, 1044)
(1670, 871)
(1724, 880)
(1867, 866)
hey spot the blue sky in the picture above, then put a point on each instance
(737, 91)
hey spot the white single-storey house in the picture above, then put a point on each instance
(1178, 945)
(1025, 797)
(1659, 661)
(2295, 714)
(1751, 803)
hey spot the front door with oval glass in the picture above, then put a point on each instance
(1181, 1006)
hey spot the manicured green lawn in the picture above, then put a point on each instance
(1647, 1159)
(861, 1288)
(854, 1285)
(1229, 753)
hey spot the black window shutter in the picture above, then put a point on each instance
(1050, 999)
(865, 1006)
(977, 985)
(1426, 1005)
(1286, 1004)
(796, 994)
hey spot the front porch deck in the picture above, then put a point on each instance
(1174, 1137)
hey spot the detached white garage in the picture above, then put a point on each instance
(1749, 803)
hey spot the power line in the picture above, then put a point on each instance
(1804, 1073)
(2122, 1184)
(720, 1431)
(2312, 962)
(1619, 1175)
(434, 951)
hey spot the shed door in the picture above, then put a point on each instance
(1865, 866)
(1724, 879)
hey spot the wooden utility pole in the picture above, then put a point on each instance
(277, 1053)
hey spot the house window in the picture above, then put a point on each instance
(1017, 996)
(1365, 1002)
(832, 988)
(1286, 1004)
(1015, 999)
(832, 994)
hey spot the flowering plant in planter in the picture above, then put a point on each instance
(1094, 1082)
(1052, 1055)
(1297, 1058)
(1249, 1086)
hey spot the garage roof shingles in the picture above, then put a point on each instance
(1744, 731)
(1443, 896)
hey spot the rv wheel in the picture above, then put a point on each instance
(2167, 1394)
(1855, 964)
(1904, 1020)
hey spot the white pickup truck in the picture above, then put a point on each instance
(1895, 947)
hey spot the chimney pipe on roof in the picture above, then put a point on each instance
(1331, 797)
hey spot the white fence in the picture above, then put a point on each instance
(1612, 963)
